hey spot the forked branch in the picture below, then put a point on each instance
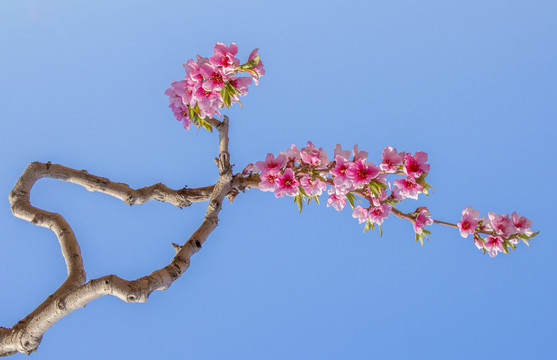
(75, 292)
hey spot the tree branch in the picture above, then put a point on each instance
(26, 335)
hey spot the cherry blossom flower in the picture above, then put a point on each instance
(468, 222)
(338, 201)
(408, 188)
(379, 213)
(271, 163)
(391, 160)
(361, 172)
(493, 245)
(225, 56)
(215, 78)
(423, 218)
(313, 187)
(478, 242)
(340, 173)
(287, 184)
(502, 224)
(268, 181)
(292, 154)
(359, 155)
(339, 152)
(415, 165)
(360, 213)
(313, 156)
(522, 224)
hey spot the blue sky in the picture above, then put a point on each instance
(472, 83)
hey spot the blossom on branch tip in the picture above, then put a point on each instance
(502, 224)
(391, 160)
(360, 213)
(336, 200)
(493, 245)
(423, 218)
(408, 187)
(379, 213)
(468, 222)
(522, 224)
(415, 165)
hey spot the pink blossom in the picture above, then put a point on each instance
(502, 224)
(391, 160)
(249, 169)
(215, 78)
(193, 71)
(336, 200)
(478, 241)
(408, 187)
(241, 84)
(423, 218)
(361, 172)
(340, 173)
(485, 224)
(313, 187)
(468, 222)
(360, 213)
(379, 213)
(271, 163)
(493, 245)
(415, 165)
(522, 224)
(287, 184)
(225, 56)
(292, 154)
(313, 156)
(268, 181)
(359, 155)
(339, 152)
(208, 101)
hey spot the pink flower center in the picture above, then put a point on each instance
(216, 77)
(465, 225)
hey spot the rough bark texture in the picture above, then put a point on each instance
(75, 292)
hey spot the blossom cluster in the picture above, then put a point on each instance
(503, 231)
(212, 83)
(308, 172)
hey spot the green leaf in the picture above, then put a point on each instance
(302, 191)
(380, 231)
(191, 115)
(253, 62)
(316, 198)
(205, 124)
(379, 184)
(426, 231)
(505, 248)
(350, 197)
(425, 191)
(299, 201)
(368, 226)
